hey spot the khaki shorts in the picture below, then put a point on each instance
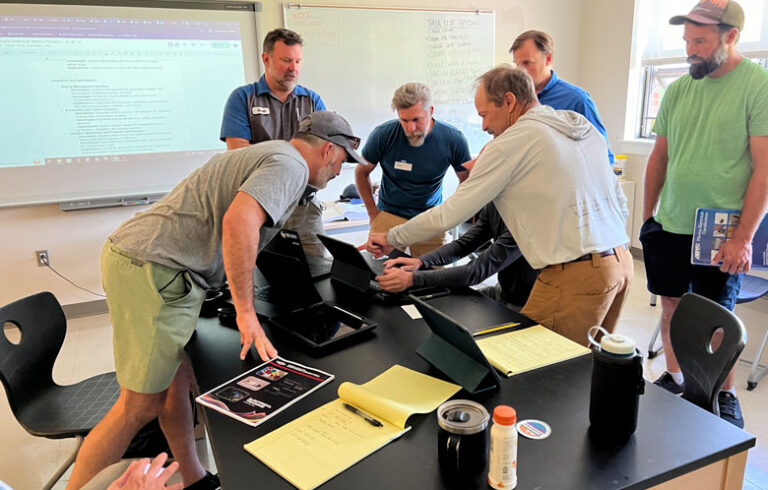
(153, 310)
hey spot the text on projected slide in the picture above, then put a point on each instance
(79, 90)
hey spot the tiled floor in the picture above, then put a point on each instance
(26, 461)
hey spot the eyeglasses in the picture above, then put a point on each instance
(354, 139)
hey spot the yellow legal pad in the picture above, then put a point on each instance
(528, 349)
(326, 441)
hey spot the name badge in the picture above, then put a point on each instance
(401, 165)
(260, 111)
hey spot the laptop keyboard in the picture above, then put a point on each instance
(263, 293)
(319, 269)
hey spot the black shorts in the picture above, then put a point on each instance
(670, 273)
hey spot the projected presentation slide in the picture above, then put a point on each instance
(77, 90)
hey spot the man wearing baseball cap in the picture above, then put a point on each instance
(711, 151)
(157, 265)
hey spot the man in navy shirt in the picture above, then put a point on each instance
(414, 152)
(271, 109)
(532, 51)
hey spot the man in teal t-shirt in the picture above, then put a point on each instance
(711, 151)
(414, 152)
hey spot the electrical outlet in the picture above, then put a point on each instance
(43, 259)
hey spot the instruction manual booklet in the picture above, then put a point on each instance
(528, 349)
(326, 441)
(265, 390)
(713, 227)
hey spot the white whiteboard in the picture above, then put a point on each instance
(355, 58)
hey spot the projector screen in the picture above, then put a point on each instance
(102, 102)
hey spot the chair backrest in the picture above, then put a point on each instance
(27, 368)
(693, 324)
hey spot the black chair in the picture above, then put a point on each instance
(752, 288)
(695, 321)
(42, 407)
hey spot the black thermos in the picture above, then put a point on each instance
(617, 383)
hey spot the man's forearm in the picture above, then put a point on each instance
(239, 254)
(240, 234)
(482, 187)
(365, 190)
(655, 175)
(467, 243)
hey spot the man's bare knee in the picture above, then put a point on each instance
(138, 409)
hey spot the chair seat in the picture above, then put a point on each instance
(752, 288)
(67, 411)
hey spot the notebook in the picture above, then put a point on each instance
(528, 349)
(319, 445)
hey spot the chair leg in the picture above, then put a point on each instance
(756, 374)
(65, 465)
(653, 353)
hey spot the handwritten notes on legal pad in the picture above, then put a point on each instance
(528, 349)
(321, 444)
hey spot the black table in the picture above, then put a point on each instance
(676, 442)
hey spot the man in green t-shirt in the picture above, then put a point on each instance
(711, 151)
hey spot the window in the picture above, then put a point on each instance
(661, 51)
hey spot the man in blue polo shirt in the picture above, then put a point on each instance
(271, 109)
(414, 152)
(532, 51)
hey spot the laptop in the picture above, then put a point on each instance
(287, 242)
(452, 349)
(289, 284)
(352, 268)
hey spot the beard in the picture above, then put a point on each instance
(288, 81)
(706, 66)
(324, 176)
(416, 138)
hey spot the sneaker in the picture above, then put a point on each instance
(730, 410)
(208, 482)
(667, 382)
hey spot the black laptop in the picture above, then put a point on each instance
(291, 303)
(353, 268)
(287, 242)
(290, 285)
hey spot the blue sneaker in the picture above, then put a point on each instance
(667, 382)
(730, 410)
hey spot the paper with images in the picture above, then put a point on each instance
(323, 443)
(528, 349)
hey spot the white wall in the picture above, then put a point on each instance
(74, 239)
(604, 54)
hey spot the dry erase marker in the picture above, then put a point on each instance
(367, 418)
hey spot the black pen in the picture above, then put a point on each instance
(367, 418)
(438, 294)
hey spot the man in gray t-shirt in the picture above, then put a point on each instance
(157, 264)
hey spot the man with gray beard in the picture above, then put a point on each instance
(711, 151)
(414, 152)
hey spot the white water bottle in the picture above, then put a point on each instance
(502, 468)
